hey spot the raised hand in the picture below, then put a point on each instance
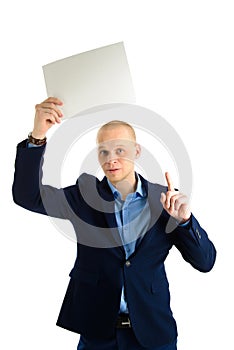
(175, 202)
(47, 114)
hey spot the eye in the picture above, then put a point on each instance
(120, 151)
(103, 153)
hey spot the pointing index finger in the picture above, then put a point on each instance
(169, 182)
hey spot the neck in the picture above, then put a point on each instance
(126, 186)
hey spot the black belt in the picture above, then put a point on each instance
(123, 321)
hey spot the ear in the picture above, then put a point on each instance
(138, 151)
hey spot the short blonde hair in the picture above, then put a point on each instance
(116, 123)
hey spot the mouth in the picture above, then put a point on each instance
(112, 171)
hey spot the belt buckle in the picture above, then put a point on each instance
(124, 322)
(127, 323)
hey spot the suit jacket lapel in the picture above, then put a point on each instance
(153, 196)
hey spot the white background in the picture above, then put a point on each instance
(181, 59)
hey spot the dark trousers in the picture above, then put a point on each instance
(124, 340)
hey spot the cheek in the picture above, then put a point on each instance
(127, 163)
(100, 162)
(130, 156)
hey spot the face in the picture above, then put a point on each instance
(117, 151)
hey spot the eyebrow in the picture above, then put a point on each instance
(100, 147)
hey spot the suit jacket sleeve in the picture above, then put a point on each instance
(28, 191)
(195, 246)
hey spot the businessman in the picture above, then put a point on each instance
(118, 294)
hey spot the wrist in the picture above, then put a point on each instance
(37, 135)
(36, 141)
(185, 219)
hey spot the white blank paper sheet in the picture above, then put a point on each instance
(89, 79)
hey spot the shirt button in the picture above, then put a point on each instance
(127, 263)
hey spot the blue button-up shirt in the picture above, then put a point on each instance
(132, 216)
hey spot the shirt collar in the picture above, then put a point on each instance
(140, 190)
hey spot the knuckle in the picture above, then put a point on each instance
(173, 200)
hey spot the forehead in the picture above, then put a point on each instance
(112, 144)
(119, 132)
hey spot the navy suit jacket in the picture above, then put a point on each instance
(92, 301)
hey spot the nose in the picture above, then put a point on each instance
(111, 158)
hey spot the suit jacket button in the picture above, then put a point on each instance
(127, 263)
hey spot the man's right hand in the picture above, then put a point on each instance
(47, 114)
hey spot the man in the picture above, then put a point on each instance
(118, 296)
